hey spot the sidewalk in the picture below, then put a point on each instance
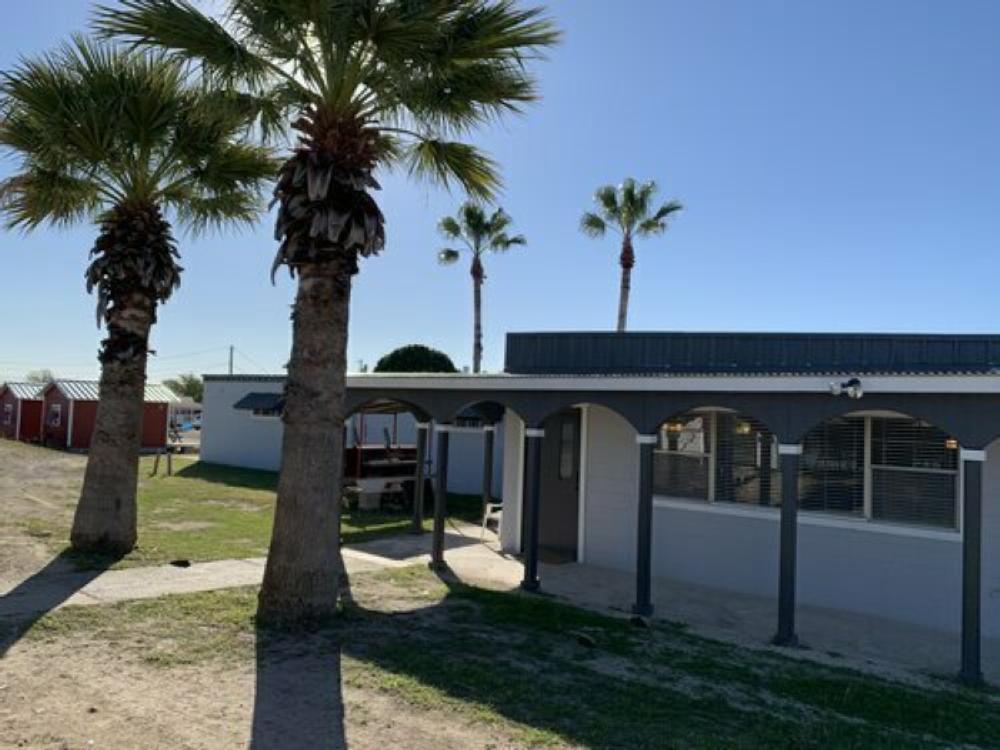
(36, 594)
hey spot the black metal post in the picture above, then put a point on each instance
(644, 540)
(417, 526)
(972, 539)
(488, 433)
(440, 498)
(766, 441)
(789, 459)
(532, 483)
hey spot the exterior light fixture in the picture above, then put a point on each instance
(675, 426)
(951, 444)
(850, 388)
(743, 428)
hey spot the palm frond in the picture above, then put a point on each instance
(448, 255)
(96, 126)
(593, 225)
(448, 162)
(215, 211)
(657, 223)
(474, 223)
(502, 242)
(178, 26)
(450, 228)
(38, 195)
(607, 198)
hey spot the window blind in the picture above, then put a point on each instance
(832, 468)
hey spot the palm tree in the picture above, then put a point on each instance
(628, 210)
(365, 84)
(123, 139)
(480, 234)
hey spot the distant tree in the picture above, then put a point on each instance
(40, 376)
(415, 358)
(478, 234)
(628, 210)
(189, 385)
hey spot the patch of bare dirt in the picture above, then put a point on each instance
(35, 483)
(76, 694)
(183, 525)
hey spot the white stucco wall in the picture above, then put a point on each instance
(237, 438)
(513, 449)
(907, 574)
(610, 490)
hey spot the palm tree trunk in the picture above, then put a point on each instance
(477, 314)
(304, 568)
(627, 262)
(105, 519)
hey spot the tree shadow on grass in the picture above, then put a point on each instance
(253, 479)
(44, 591)
(564, 674)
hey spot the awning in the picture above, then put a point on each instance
(261, 402)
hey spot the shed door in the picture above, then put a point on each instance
(559, 502)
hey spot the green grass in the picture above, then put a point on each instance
(211, 512)
(518, 663)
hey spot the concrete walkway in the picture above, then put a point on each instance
(47, 590)
(829, 636)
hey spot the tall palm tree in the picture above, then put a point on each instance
(126, 140)
(365, 84)
(480, 234)
(628, 210)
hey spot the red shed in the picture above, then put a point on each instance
(70, 411)
(21, 411)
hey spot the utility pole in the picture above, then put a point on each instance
(231, 350)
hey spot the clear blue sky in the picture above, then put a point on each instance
(839, 164)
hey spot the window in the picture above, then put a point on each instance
(832, 469)
(914, 473)
(567, 449)
(719, 457)
(55, 416)
(8, 414)
(746, 466)
(682, 460)
(882, 468)
(267, 413)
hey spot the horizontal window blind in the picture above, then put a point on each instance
(832, 467)
(914, 473)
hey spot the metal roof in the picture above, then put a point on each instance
(674, 353)
(264, 401)
(88, 390)
(25, 391)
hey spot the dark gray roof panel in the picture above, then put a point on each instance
(603, 353)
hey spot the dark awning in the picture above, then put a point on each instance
(261, 401)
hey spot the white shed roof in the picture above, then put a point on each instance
(25, 391)
(88, 390)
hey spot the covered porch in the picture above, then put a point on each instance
(779, 413)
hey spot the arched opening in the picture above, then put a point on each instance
(477, 483)
(717, 455)
(881, 466)
(380, 455)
